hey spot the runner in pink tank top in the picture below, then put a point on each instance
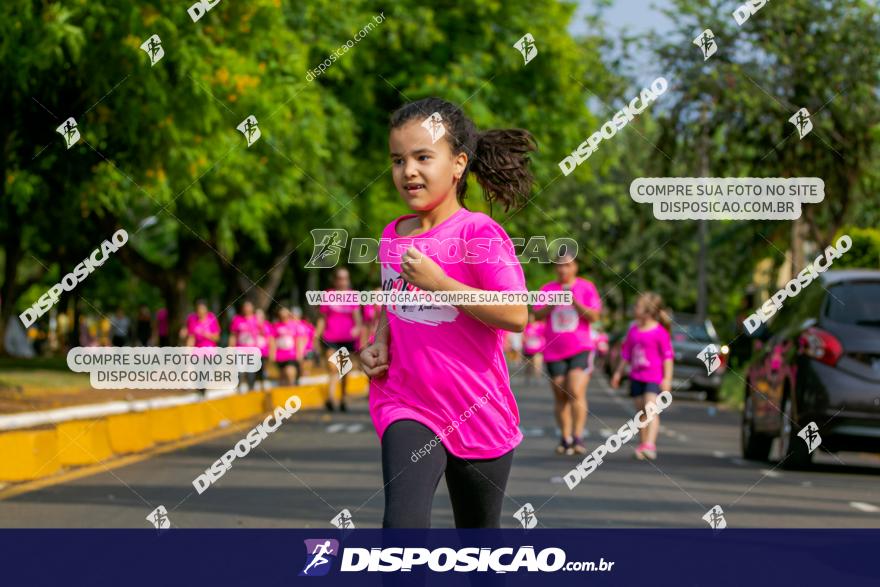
(339, 326)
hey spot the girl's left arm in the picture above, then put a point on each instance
(666, 384)
(510, 317)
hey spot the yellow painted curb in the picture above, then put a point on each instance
(166, 424)
(129, 432)
(83, 442)
(247, 405)
(358, 385)
(196, 418)
(28, 454)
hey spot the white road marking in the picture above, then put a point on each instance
(606, 432)
(737, 461)
(354, 428)
(718, 454)
(334, 428)
(771, 473)
(864, 507)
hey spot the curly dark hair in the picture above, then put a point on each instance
(498, 157)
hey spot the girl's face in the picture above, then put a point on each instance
(247, 309)
(641, 310)
(261, 315)
(284, 314)
(201, 310)
(424, 172)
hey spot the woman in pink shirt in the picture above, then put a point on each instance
(289, 346)
(533, 345)
(245, 331)
(568, 351)
(202, 328)
(440, 393)
(339, 325)
(648, 349)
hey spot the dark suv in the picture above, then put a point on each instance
(818, 360)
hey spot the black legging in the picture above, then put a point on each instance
(476, 487)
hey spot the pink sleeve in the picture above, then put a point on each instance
(626, 347)
(507, 273)
(215, 325)
(665, 345)
(590, 297)
(235, 327)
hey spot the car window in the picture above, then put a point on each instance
(795, 311)
(854, 302)
(690, 331)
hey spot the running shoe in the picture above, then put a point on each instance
(563, 447)
(329, 405)
(342, 407)
(578, 447)
(646, 451)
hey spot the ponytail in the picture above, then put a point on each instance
(499, 157)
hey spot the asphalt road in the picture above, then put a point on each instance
(316, 464)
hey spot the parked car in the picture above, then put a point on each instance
(818, 362)
(690, 335)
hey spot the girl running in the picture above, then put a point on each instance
(338, 326)
(289, 347)
(568, 352)
(648, 349)
(265, 342)
(440, 370)
(533, 345)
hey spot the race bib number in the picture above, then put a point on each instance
(246, 338)
(285, 342)
(564, 319)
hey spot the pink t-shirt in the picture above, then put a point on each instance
(309, 332)
(338, 321)
(645, 350)
(447, 369)
(567, 333)
(200, 329)
(264, 333)
(533, 337)
(286, 335)
(245, 330)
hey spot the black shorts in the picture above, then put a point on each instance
(639, 388)
(349, 344)
(583, 360)
(285, 364)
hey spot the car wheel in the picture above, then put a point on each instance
(795, 454)
(755, 446)
(712, 395)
